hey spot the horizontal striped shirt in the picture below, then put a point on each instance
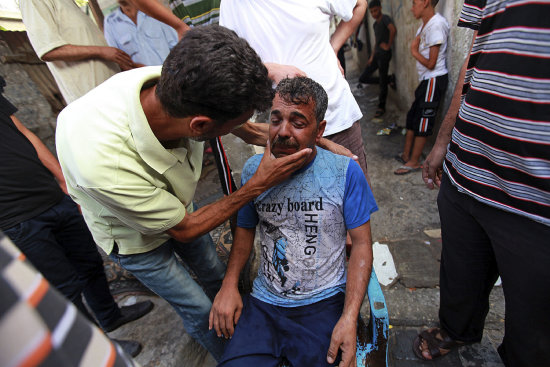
(500, 148)
(196, 12)
(40, 327)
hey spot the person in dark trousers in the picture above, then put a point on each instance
(46, 225)
(384, 34)
(491, 161)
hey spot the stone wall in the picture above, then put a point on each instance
(34, 111)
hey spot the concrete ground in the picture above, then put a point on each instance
(407, 223)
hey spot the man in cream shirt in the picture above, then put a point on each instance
(72, 46)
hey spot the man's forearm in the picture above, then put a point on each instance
(156, 10)
(240, 252)
(448, 123)
(81, 53)
(270, 172)
(74, 53)
(345, 29)
(44, 154)
(210, 216)
(359, 269)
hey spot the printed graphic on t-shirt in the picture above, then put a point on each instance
(304, 258)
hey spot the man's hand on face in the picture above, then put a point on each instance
(272, 171)
(225, 312)
(343, 338)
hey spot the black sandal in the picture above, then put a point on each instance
(438, 347)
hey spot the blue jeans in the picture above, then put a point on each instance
(60, 246)
(161, 272)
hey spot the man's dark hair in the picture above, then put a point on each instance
(434, 3)
(374, 3)
(213, 72)
(301, 90)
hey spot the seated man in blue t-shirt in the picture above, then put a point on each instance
(303, 307)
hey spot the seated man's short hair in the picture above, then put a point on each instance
(302, 90)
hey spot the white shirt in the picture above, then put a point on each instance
(435, 32)
(54, 23)
(296, 33)
(148, 42)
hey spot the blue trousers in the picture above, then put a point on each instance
(161, 272)
(266, 335)
(60, 246)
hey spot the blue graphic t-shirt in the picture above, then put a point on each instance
(303, 224)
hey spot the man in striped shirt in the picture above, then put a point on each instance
(494, 200)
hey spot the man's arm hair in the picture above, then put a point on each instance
(44, 154)
(345, 29)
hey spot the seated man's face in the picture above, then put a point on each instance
(293, 127)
